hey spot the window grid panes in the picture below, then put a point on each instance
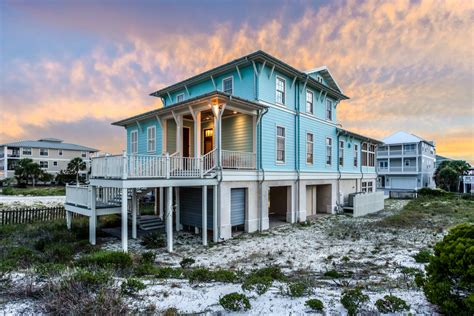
(309, 148)
(280, 90)
(280, 144)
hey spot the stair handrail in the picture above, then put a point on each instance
(209, 161)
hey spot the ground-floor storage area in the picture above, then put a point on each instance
(190, 207)
(238, 206)
(403, 183)
(279, 203)
(318, 199)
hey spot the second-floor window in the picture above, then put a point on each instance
(26, 151)
(280, 150)
(228, 85)
(44, 152)
(341, 153)
(60, 152)
(280, 90)
(84, 154)
(180, 97)
(328, 151)
(383, 164)
(328, 110)
(309, 148)
(368, 155)
(55, 163)
(356, 155)
(309, 101)
(44, 164)
(151, 139)
(134, 142)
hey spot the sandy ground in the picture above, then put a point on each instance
(15, 201)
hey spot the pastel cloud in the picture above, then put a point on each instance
(407, 65)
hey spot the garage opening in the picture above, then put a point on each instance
(318, 200)
(279, 205)
(238, 207)
(191, 208)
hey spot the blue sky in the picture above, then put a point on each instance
(69, 68)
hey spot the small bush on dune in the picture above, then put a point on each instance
(423, 256)
(273, 272)
(187, 263)
(106, 259)
(333, 274)
(315, 305)
(206, 275)
(353, 300)
(59, 252)
(92, 280)
(235, 302)
(168, 273)
(49, 269)
(259, 284)
(148, 257)
(132, 286)
(154, 240)
(299, 289)
(391, 304)
(433, 192)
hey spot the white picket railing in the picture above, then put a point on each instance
(107, 166)
(78, 195)
(147, 166)
(209, 161)
(185, 167)
(238, 160)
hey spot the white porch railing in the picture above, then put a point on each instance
(209, 161)
(78, 195)
(107, 166)
(238, 160)
(147, 166)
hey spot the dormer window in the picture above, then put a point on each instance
(180, 97)
(319, 79)
(228, 85)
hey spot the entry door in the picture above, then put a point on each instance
(310, 200)
(208, 135)
(186, 142)
(237, 207)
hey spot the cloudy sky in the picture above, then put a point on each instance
(69, 68)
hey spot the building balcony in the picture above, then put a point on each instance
(397, 169)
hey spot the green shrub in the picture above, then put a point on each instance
(433, 192)
(315, 305)
(132, 286)
(168, 273)
(148, 257)
(206, 275)
(353, 300)
(259, 284)
(106, 259)
(154, 240)
(49, 269)
(299, 289)
(391, 304)
(333, 274)
(449, 274)
(273, 272)
(423, 256)
(59, 252)
(235, 302)
(21, 257)
(91, 280)
(187, 263)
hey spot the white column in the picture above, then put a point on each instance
(197, 135)
(204, 215)
(124, 220)
(178, 221)
(162, 202)
(164, 136)
(156, 202)
(5, 161)
(134, 213)
(169, 219)
(179, 134)
(93, 217)
(68, 219)
(215, 222)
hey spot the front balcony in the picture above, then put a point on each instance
(397, 169)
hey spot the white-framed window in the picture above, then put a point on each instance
(383, 164)
(180, 97)
(368, 155)
(83, 154)
(134, 141)
(60, 152)
(43, 164)
(26, 151)
(319, 79)
(228, 85)
(151, 138)
(280, 144)
(328, 151)
(309, 148)
(309, 101)
(328, 110)
(407, 162)
(55, 163)
(356, 155)
(367, 186)
(280, 90)
(44, 152)
(341, 153)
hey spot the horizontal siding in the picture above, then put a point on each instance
(237, 133)
(190, 200)
(171, 136)
(142, 137)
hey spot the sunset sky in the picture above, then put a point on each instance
(69, 68)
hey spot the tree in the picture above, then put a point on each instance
(450, 274)
(75, 166)
(448, 174)
(27, 169)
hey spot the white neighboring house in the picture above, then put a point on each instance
(405, 162)
(468, 182)
(53, 155)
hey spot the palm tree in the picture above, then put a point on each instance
(26, 169)
(75, 166)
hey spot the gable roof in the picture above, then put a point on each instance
(326, 74)
(51, 143)
(260, 56)
(404, 137)
(342, 131)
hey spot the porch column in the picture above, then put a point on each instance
(164, 136)
(178, 220)
(169, 219)
(162, 202)
(124, 220)
(197, 135)
(179, 134)
(5, 161)
(93, 217)
(134, 213)
(68, 219)
(204, 215)
(215, 222)
(155, 206)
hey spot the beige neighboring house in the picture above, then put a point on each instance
(51, 154)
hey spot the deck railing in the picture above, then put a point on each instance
(107, 166)
(147, 166)
(238, 160)
(78, 195)
(209, 161)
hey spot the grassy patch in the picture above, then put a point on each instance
(107, 260)
(235, 302)
(154, 240)
(206, 275)
(299, 289)
(315, 304)
(38, 191)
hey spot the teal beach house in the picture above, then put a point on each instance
(240, 147)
